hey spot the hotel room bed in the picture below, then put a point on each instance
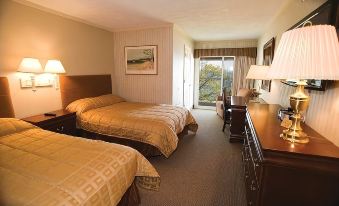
(39, 167)
(156, 125)
(151, 129)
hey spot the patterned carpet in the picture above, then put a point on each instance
(205, 170)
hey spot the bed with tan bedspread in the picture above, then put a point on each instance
(39, 167)
(157, 125)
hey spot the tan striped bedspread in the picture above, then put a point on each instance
(157, 125)
(38, 167)
(111, 115)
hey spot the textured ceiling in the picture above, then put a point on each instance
(200, 19)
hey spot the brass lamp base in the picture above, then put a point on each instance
(294, 137)
(299, 102)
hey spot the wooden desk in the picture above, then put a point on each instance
(238, 116)
(278, 172)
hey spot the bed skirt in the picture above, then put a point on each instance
(145, 149)
(131, 196)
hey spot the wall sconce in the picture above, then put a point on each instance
(55, 67)
(31, 66)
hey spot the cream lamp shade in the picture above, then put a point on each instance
(258, 72)
(30, 65)
(310, 52)
(55, 67)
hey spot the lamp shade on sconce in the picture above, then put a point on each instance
(258, 72)
(30, 65)
(55, 67)
(310, 52)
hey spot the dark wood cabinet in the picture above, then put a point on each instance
(238, 116)
(281, 173)
(64, 122)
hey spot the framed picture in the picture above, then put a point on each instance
(268, 54)
(141, 59)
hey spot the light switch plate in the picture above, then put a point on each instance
(26, 83)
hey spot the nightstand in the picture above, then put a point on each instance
(64, 122)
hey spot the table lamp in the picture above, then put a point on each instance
(310, 52)
(32, 66)
(257, 72)
(55, 67)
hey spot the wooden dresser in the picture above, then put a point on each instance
(280, 173)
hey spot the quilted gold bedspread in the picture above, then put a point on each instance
(38, 167)
(157, 125)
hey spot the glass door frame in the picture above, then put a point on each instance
(197, 79)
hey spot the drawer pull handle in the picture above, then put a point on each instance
(61, 129)
(252, 187)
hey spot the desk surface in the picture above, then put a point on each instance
(241, 102)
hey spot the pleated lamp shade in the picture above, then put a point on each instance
(258, 72)
(310, 52)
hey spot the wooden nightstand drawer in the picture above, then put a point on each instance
(64, 126)
(64, 122)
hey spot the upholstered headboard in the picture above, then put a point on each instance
(6, 106)
(77, 87)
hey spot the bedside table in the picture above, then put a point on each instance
(64, 122)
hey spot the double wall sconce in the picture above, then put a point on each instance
(37, 77)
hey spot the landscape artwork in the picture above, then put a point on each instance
(141, 60)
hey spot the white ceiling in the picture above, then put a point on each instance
(201, 19)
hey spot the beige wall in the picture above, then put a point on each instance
(180, 41)
(145, 88)
(323, 112)
(30, 32)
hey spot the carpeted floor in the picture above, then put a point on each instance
(205, 170)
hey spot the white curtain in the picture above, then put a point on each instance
(241, 66)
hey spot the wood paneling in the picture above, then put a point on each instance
(145, 88)
(77, 87)
(6, 107)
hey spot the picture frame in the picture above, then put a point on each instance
(141, 60)
(268, 54)
(327, 13)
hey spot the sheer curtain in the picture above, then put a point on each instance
(241, 66)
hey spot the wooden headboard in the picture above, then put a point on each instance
(77, 87)
(6, 106)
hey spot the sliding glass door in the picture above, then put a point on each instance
(215, 73)
(228, 75)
